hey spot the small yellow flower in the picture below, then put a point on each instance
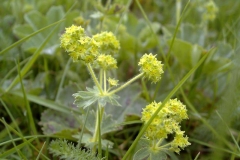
(211, 10)
(75, 31)
(69, 40)
(106, 62)
(112, 82)
(82, 47)
(108, 43)
(176, 110)
(179, 141)
(151, 67)
(78, 45)
(87, 49)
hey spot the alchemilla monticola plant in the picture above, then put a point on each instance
(97, 53)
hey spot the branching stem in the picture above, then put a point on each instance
(94, 78)
(127, 83)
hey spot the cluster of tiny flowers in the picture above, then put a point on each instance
(167, 121)
(112, 82)
(106, 62)
(88, 49)
(210, 11)
(108, 43)
(151, 67)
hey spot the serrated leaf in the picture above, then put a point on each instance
(67, 150)
(65, 95)
(81, 103)
(84, 99)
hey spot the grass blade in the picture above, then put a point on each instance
(13, 150)
(28, 108)
(47, 103)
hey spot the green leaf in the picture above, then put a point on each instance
(187, 54)
(27, 37)
(54, 13)
(53, 122)
(146, 38)
(219, 61)
(65, 95)
(144, 150)
(66, 150)
(192, 34)
(44, 102)
(141, 154)
(67, 134)
(84, 99)
(158, 156)
(35, 21)
(131, 103)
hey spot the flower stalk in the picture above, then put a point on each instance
(126, 84)
(94, 78)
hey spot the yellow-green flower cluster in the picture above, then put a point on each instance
(106, 62)
(112, 82)
(166, 122)
(78, 45)
(179, 141)
(108, 43)
(151, 67)
(69, 40)
(210, 11)
(88, 49)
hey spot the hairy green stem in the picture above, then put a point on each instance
(166, 145)
(145, 91)
(159, 142)
(127, 83)
(94, 78)
(104, 80)
(100, 116)
(97, 132)
(101, 77)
